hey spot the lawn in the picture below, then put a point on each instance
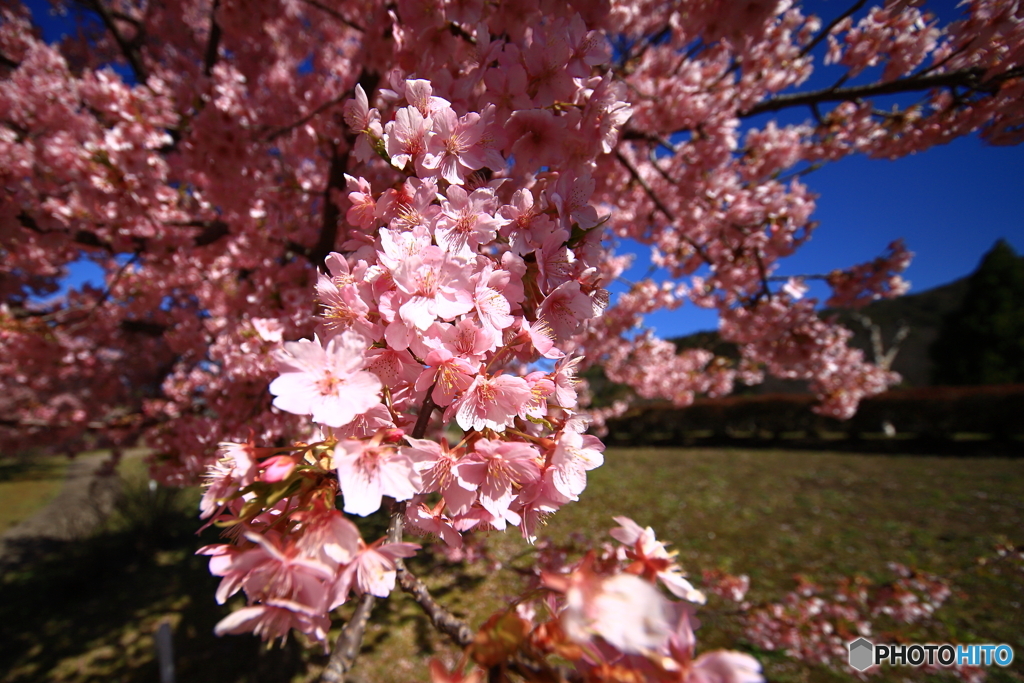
(27, 485)
(88, 614)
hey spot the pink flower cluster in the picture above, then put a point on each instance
(816, 624)
(610, 608)
(452, 290)
(211, 184)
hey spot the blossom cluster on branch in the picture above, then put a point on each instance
(210, 176)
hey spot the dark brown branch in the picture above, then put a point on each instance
(150, 329)
(117, 14)
(336, 14)
(828, 29)
(423, 419)
(763, 272)
(349, 642)
(445, 622)
(128, 48)
(211, 231)
(346, 649)
(967, 78)
(336, 181)
(8, 62)
(129, 421)
(331, 213)
(657, 202)
(284, 130)
(210, 57)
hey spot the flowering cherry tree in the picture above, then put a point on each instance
(403, 218)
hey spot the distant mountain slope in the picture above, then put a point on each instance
(922, 312)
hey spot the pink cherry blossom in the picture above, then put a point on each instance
(440, 468)
(372, 570)
(491, 402)
(367, 472)
(453, 149)
(273, 620)
(653, 560)
(433, 285)
(627, 612)
(574, 456)
(466, 220)
(327, 383)
(497, 469)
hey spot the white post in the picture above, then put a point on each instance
(165, 653)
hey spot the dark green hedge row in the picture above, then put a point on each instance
(935, 413)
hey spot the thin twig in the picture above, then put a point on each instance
(828, 29)
(657, 202)
(284, 130)
(645, 185)
(763, 272)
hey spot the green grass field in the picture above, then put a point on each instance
(88, 613)
(27, 485)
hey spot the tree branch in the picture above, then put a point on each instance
(645, 185)
(346, 649)
(657, 202)
(130, 50)
(445, 622)
(210, 58)
(349, 642)
(284, 130)
(210, 233)
(968, 78)
(828, 29)
(336, 14)
(331, 214)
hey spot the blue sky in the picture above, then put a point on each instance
(950, 204)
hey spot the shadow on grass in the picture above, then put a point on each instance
(87, 610)
(30, 469)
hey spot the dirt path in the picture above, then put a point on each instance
(83, 501)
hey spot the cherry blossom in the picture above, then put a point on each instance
(325, 382)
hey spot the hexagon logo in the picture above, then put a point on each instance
(861, 654)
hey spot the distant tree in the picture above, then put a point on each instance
(982, 342)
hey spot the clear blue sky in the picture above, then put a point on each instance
(950, 203)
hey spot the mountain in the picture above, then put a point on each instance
(921, 312)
